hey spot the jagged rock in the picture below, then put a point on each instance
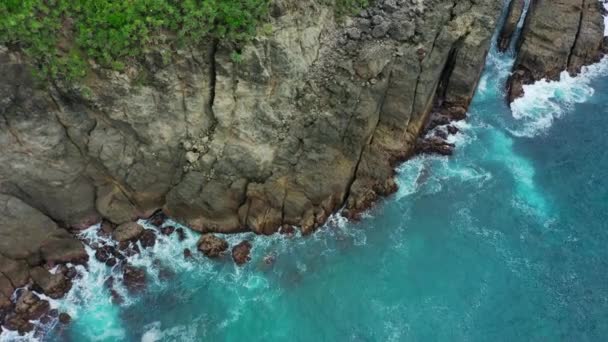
(381, 29)
(158, 219)
(453, 129)
(282, 148)
(134, 278)
(240, 253)
(211, 245)
(167, 230)
(130, 231)
(52, 285)
(181, 235)
(148, 238)
(30, 307)
(557, 36)
(402, 30)
(434, 145)
(107, 228)
(104, 253)
(64, 318)
(287, 230)
(441, 134)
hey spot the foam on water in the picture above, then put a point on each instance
(545, 101)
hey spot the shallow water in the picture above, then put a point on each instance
(505, 241)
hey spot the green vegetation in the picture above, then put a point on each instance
(348, 7)
(61, 34)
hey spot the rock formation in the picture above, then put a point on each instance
(558, 35)
(312, 118)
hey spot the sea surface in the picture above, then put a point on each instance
(505, 241)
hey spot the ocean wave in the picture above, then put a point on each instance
(545, 101)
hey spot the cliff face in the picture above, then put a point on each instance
(312, 117)
(558, 35)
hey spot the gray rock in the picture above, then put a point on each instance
(381, 30)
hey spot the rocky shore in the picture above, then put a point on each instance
(313, 119)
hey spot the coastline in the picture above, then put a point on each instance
(367, 185)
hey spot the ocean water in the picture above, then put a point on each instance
(504, 241)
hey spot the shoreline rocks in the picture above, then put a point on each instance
(211, 245)
(575, 29)
(240, 253)
(129, 231)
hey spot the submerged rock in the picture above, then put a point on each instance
(181, 235)
(64, 318)
(134, 278)
(187, 253)
(167, 230)
(211, 245)
(240, 253)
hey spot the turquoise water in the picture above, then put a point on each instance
(504, 241)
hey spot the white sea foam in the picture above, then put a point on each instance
(545, 101)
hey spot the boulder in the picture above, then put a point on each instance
(130, 231)
(134, 278)
(64, 318)
(30, 307)
(157, 219)
(168, 230)
(211, 245)
(148, 238)
(181, 234)
(240, 253)
(53, 285)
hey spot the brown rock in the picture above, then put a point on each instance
(130, 231)
(63, 250)
(287, 230)
(434, 145)
(134, 278)
(240, 253)
(53, 285)
(148, 238)
(157, 219)
(168, 230)
(64, 318)
(211, 245)
(30, 307)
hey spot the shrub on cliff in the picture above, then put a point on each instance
(59, 35)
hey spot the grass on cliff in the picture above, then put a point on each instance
(61, 35)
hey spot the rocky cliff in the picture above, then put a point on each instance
(313, 117)
(558, 35)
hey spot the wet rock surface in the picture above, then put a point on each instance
(134, 278)
(240, 253)
(211, 245)
(557, 36)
